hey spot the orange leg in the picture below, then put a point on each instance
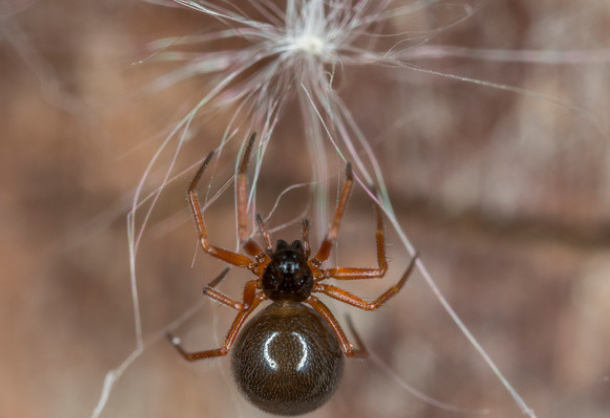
(229, 340)
(220, 253)
(346, 297)
(249, 245)
(265, 232)
(349, 273)
(325, 247)
(359, 341)
(248, 296)
(348, 348)
(306, 245)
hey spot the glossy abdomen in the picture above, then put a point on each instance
(287, 360)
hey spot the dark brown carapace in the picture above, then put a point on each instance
(288, 359)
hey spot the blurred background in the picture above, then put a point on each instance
(505, 194)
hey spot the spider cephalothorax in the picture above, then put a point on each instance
(288, 277)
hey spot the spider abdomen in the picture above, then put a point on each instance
(287, 360)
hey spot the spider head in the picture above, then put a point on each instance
(288, 278)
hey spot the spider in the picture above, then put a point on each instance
(288, 359)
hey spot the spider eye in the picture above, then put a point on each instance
(289, 267)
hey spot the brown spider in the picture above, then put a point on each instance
(288, 359)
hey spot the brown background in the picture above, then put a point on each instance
(506, 196)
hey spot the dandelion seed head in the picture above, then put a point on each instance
(307, 30)
(311, 44)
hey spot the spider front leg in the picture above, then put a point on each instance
(229, 340)
(306, 246)
(333, 232)
(249, 245)
(220, 253)
(265, 232)
(355, 273)
(346, 297)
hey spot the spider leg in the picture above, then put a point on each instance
(346, 297)
(249, 245)
(229, 340)
(359, 341)
(218, 296)
(325, 247)
(351, 273)
(248, 296)
(265, 232)
(348, 348)
(220, 253)
(306, 245)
